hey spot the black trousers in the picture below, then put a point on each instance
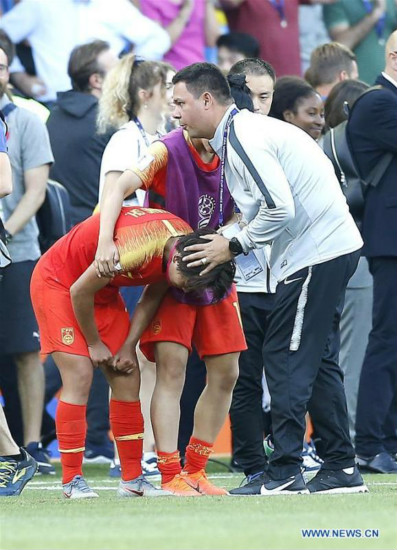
(246, 414)
(301, 357)
(376, 418)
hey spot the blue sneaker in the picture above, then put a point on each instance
(99, 454)
(115, 468)
(14, 474)
(35, 449)
(149, 465)
(251, 485)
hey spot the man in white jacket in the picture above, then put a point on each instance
(286, 191)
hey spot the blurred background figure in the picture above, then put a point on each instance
(296, 102)
(340, 100)
(363, 26)
(191, 25)
(275, 24)
(55, 28)
(260, 79)
(30, 156)
(329, 64)
(233, 47)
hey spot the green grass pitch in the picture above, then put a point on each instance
(42, 519)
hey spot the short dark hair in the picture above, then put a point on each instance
(240, 92)
(288, 93)
(83, 63)
(218, 281)
(240, 42)
(346, 91)
(205, 77)
(7, 46)
(327, 61)
(253, 66)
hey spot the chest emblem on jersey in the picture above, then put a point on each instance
(156, 326)
(206, 207)
(67, 334)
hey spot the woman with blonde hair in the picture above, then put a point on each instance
(133, 101)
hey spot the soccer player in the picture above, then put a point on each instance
(84, 324)
(183, 177)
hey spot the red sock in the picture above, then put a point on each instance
(169, 465)
(71, 431)
(126, 423)
(197, 454)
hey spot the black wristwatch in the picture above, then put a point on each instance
(235, 247)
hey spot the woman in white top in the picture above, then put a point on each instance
(134, 101)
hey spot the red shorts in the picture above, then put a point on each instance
(58, 327)
(213, 329)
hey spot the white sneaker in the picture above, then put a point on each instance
(140, 487)
(78, 488)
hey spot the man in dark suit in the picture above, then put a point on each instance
(372, 130)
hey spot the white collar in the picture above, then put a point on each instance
(217, 140)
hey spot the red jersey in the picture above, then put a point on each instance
(140, 236)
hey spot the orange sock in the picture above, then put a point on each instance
(169, 465)
(197, 454)
(126, 423)
(71, 429)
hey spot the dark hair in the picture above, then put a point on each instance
(240, 92)
(240, 42)
(205, 77)
(83, 63)
(346, 91)
(327, 61)
(7, 46)
(144, 75)
(218, 280)
(288, 94)
(253, 66)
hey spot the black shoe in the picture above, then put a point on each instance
(252, 486)
(293, 485)
(348, 480)
(382, 463)
(36, 450)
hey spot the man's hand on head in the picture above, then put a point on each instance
(210, 254)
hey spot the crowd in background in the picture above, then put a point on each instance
(77, 75)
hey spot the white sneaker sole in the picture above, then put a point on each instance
(76, 496)
(343, 490)
(265, 493)
(126, 493)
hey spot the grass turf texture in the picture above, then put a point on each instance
(42, 519)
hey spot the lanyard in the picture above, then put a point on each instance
(223, 162)
(142, 130)
(279, 5)
(381, 23)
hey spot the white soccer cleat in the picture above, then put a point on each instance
(78, 488)
(140, 487)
